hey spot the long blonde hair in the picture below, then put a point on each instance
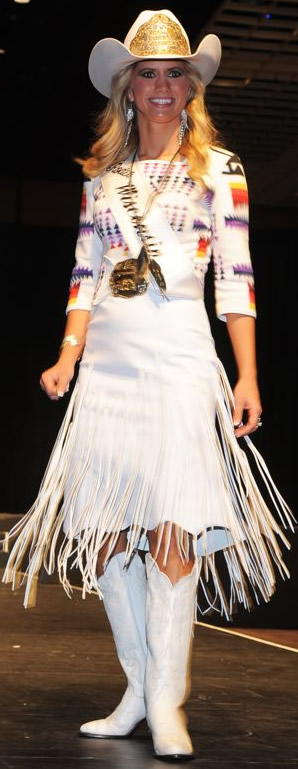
(111, 128)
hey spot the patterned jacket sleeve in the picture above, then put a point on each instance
(233, 274)
(88, 256)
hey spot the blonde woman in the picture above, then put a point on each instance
(151, 459)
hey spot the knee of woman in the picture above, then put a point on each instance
(171, 541)
(106, 553)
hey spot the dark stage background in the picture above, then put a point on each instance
(47, 122)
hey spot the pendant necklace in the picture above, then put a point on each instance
(131, 277)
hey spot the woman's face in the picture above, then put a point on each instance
(160, 89)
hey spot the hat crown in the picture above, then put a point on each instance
(154, 35)
(157, 33)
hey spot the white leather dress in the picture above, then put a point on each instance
(148, 434)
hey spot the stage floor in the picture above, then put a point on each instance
(59, 668)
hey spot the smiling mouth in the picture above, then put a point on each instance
(161, 102)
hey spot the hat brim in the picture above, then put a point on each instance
(109, 56)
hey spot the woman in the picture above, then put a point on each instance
(151, 457)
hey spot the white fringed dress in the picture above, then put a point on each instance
(148, 434)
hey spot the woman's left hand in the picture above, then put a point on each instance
(247, 399)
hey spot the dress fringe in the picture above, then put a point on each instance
(250, 546)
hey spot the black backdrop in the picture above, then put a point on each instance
(36, 263)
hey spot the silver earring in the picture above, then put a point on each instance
(183, 126)
(129, 118)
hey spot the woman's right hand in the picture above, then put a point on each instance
(55, 380)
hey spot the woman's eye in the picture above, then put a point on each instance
(150, 73)
(147, 73)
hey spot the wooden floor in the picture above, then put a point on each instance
(59, 668)
(281, 637)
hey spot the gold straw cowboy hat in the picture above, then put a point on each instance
(154, 35)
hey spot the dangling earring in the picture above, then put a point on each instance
(129, 117)
(183, 126)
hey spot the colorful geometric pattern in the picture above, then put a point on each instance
(73, 294)
(177, 180)
(86, 229)
(252, 297)
(203, 247)
(108, 228)
(239, 193)
(207, 201)
(83, 203)
(176, 216)
(218, 265)
(205, 237)
(200, 226)
(242, 269)
(78, 274)
(237, 222)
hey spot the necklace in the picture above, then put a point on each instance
(131, 277)
(161, 184)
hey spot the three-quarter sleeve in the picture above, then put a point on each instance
(233, 274)
(88, 256)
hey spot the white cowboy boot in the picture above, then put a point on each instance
(124, 596)
(169, 619)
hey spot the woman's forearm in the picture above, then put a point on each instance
(247, 403)
(241, 330)
(55, 380)
(76, 326)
